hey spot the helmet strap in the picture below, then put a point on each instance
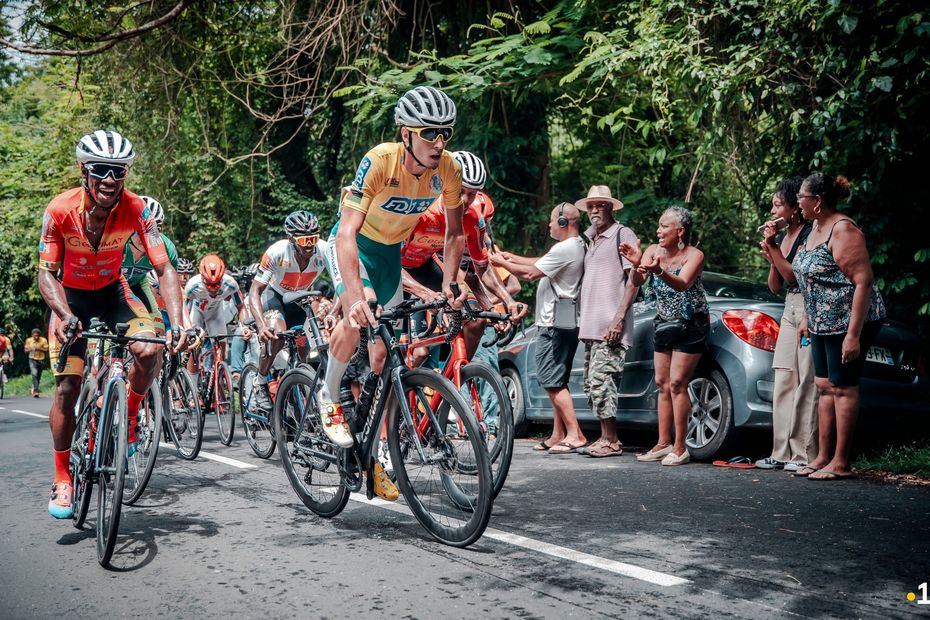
(408, 145)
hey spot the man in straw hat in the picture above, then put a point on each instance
(606, 296)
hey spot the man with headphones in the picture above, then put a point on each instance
(560, 272)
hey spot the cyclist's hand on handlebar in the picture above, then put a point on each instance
(517, 311)
(360, 314)
(455, 301)
(61, 329)
(246, 333)
(266, 333)
(330, 321)
(176, 339)
(428, 295)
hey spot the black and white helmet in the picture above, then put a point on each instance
(301, 223)
(185, 266)
(424, 106)
(474, 174)
(105, 146)
(155, 208)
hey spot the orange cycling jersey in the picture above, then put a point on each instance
(64, 244)
(429, 235)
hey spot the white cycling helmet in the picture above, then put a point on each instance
(106, 147)
(157, 212)
(424, 106)
(474, 174)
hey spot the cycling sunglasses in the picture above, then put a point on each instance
(101, 171)
(305, 241)
(431, 134)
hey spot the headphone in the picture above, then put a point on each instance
(562, 221)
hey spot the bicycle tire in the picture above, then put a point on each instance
(259, 430)
(112, 470)
(316, 481)
(499, 433)
(441, 515)
(223, 404)
(81, 478)
(140, 465)
(184, 420)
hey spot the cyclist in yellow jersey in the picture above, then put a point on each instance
(394, 184)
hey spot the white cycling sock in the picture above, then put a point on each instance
(335, 370)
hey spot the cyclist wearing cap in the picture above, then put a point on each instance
(137, 267)
(206, 295)
(84, 232)
(394, 184)
(288, 265)
(421, 253)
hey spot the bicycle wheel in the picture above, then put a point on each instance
(484, 391)
(258, 428)
(449, 487)
(184, 421)
(81, 465)
(310, 459)
(223, 405)
(140, 464)
(111, 470)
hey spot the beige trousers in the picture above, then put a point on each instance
(794, 410)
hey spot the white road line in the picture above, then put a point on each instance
(216, 457)
(35, 415)
(563, 553)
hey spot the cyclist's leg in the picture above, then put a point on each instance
(61, 414)
(429, 274)
(147, 356)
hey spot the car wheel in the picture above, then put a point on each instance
(710, 425)
(514, 387)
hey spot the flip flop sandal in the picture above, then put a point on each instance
(604, 450)
(571, 449)
(829, 476)
(542, 446)
(740, 462)
(804, 472)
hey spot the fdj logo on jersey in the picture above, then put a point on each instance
(407, 206)
(362, 172)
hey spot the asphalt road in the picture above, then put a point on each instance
(570, 536)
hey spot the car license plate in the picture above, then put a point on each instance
(880, 355)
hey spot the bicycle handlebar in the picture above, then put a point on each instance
(63, 354)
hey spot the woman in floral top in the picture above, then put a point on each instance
(844, 313)
(682, 325)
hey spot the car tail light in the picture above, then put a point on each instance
(752, 327)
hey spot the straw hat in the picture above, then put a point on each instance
(598, 193)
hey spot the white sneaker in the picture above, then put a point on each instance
(769, 463)
(794, 466)
(384, 457)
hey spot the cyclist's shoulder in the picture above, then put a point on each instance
(65, 201)
(193, 285)
(278, 250)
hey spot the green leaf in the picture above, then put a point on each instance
(538, 56)
(540, 27)
(848, 23)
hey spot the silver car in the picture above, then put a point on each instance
(733, 386)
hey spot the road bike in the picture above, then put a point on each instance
(259, 427)
(182, 418)
(480, 384)
(443, 474)
(215, 388)
(99, 444)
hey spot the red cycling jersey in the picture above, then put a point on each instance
(64, 244)
(429, 236)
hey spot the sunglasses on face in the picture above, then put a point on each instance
(305, 241)
(431, 134)
(102, 171)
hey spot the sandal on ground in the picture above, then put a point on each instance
(740, 462)
(568, 448)
(824, 475)
(804, 472)
(605, 448)
(542, 446)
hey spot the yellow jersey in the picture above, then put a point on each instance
(392, 199)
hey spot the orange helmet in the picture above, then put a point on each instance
(212, 268)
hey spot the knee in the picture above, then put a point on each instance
(663, 384)
(148, 354)
(677, 386)
(419, 355)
